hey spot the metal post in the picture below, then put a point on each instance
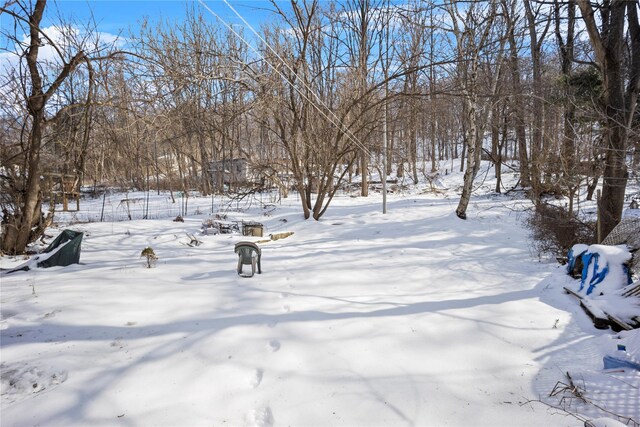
(384, 125)
(384, 162)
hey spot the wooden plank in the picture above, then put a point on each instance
(600, 320)
(619, 322)
(572, 292)
(631, 290)
(599, 317)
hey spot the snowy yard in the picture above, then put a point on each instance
(411, 318)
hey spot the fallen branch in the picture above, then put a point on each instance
(579, 392)
(562, 388)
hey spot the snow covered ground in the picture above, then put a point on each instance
(410, 318)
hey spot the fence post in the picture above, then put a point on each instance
(599, 238)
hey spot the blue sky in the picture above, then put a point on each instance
(113, 16)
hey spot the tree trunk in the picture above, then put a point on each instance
(496, 147)
(32, 190)
(537, 139)
(18, 227)
(364, 173)
(619, 102)
(518, 104)
(474, 145)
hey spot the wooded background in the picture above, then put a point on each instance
(320, 96)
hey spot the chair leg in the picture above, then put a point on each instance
(253, 266)
(239, 265)
(259, 267)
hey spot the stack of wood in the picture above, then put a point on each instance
(604, 320)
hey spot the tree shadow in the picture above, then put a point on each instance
(579, 351)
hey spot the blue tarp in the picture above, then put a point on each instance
(598, 273)
(611, 362)
(573, 259)
(595, 267)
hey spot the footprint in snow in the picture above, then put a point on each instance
(19, 381)
(261, 417)
(51, 314)
(256, 378)
(286, 308)
(274, 345)
(118, 343)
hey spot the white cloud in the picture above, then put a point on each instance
(67, 39)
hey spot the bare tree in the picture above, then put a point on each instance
(566, 43)
(415, 33)
(517, 100)
(306, 112)
(362, 22)
(538, 24)
(472, 29)
(615, 37)
(22, 218)
(199, 76)
(319, 111)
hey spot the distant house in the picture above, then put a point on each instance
(230, 172)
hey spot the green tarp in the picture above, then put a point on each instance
(68, 254)
(63, 251)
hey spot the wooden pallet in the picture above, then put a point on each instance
(632, 290)
(600, 318)
(617, 324)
